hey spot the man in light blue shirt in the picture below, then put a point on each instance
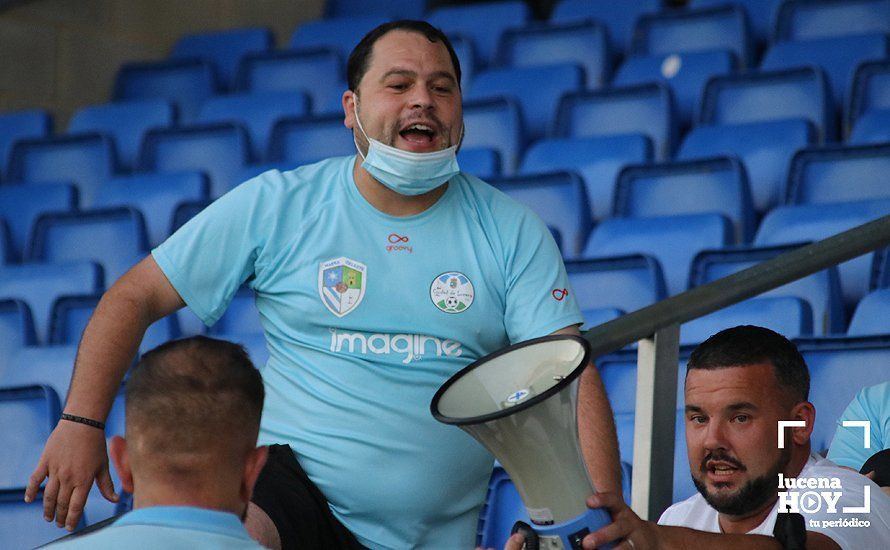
(189, 457)
(871, 404)
(377, 277)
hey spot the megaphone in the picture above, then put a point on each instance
(521, 403)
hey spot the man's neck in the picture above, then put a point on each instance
(740, 525)
(160, 495)
(388, 201)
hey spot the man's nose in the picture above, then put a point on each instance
(421, 97)
(715, 436)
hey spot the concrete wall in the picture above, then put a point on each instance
(64, 54)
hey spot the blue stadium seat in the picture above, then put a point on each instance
(256, 112)
(811, 222)
(85, 159)
(15, 125)
(872, 127)
(717, 185)
(821, 290)
(115, 238)
(44, 366)
(16, 327)
(599, 315)
(71, 314)
(790, 316)
(308, 140)
(559, 199)
(619, 22)
(126, 122)
(692, 30)
(758, 97)
(22, 525)
(186, 83)
(870, 90)
(39, 285)
(20, 205)
(317, 72)
(241, 317)
(598, 160)
(765, 149)
(672, 240)
(156, 196)
(646, 109)
(838, 174)
(186, 211)
(802, 20)
(871, 314)
(685, 73)
(7, 254)
(399, 9)
(583, 43)
(482, 162)
(536, 89)
(839, 368)
(341, 34)
(30, 414)
(625, 283)
(223, 49)
(483, 22)
(496, 124)
(466, 56)
(761, 14)
(219, 150)
(837, 56)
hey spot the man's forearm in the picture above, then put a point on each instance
(112, 337)
(596, 428)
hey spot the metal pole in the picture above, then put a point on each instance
(653, 468)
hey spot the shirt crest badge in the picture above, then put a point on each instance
(341, 284)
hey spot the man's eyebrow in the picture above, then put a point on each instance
(693, 408)
(742, 405)
(412, 74)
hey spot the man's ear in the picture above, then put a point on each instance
(807, 412)
(120, 457)
(256, 459)
(348, 101)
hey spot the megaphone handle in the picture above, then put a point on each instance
(531, 538)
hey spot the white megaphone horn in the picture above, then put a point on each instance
(521, 404)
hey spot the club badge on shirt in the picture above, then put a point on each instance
(341, 284)
(452, 292)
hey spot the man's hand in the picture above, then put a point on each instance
(627, 531)
(73, 457)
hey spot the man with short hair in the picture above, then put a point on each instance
(740, 384)
(361, 333)
(189, 455)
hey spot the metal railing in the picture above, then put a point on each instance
(657, 329)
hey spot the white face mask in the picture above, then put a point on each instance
(406, 172)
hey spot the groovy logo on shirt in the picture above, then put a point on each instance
(413, 346)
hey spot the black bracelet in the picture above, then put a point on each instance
(82, 420)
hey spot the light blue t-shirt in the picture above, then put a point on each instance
(848, 446)
(366, 315)
(170, 528)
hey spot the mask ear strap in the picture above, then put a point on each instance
(359, 122)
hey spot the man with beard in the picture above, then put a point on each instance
(740, 383)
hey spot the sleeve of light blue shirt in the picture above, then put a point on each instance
(538, 298)
(209, 257)
(871, 404)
